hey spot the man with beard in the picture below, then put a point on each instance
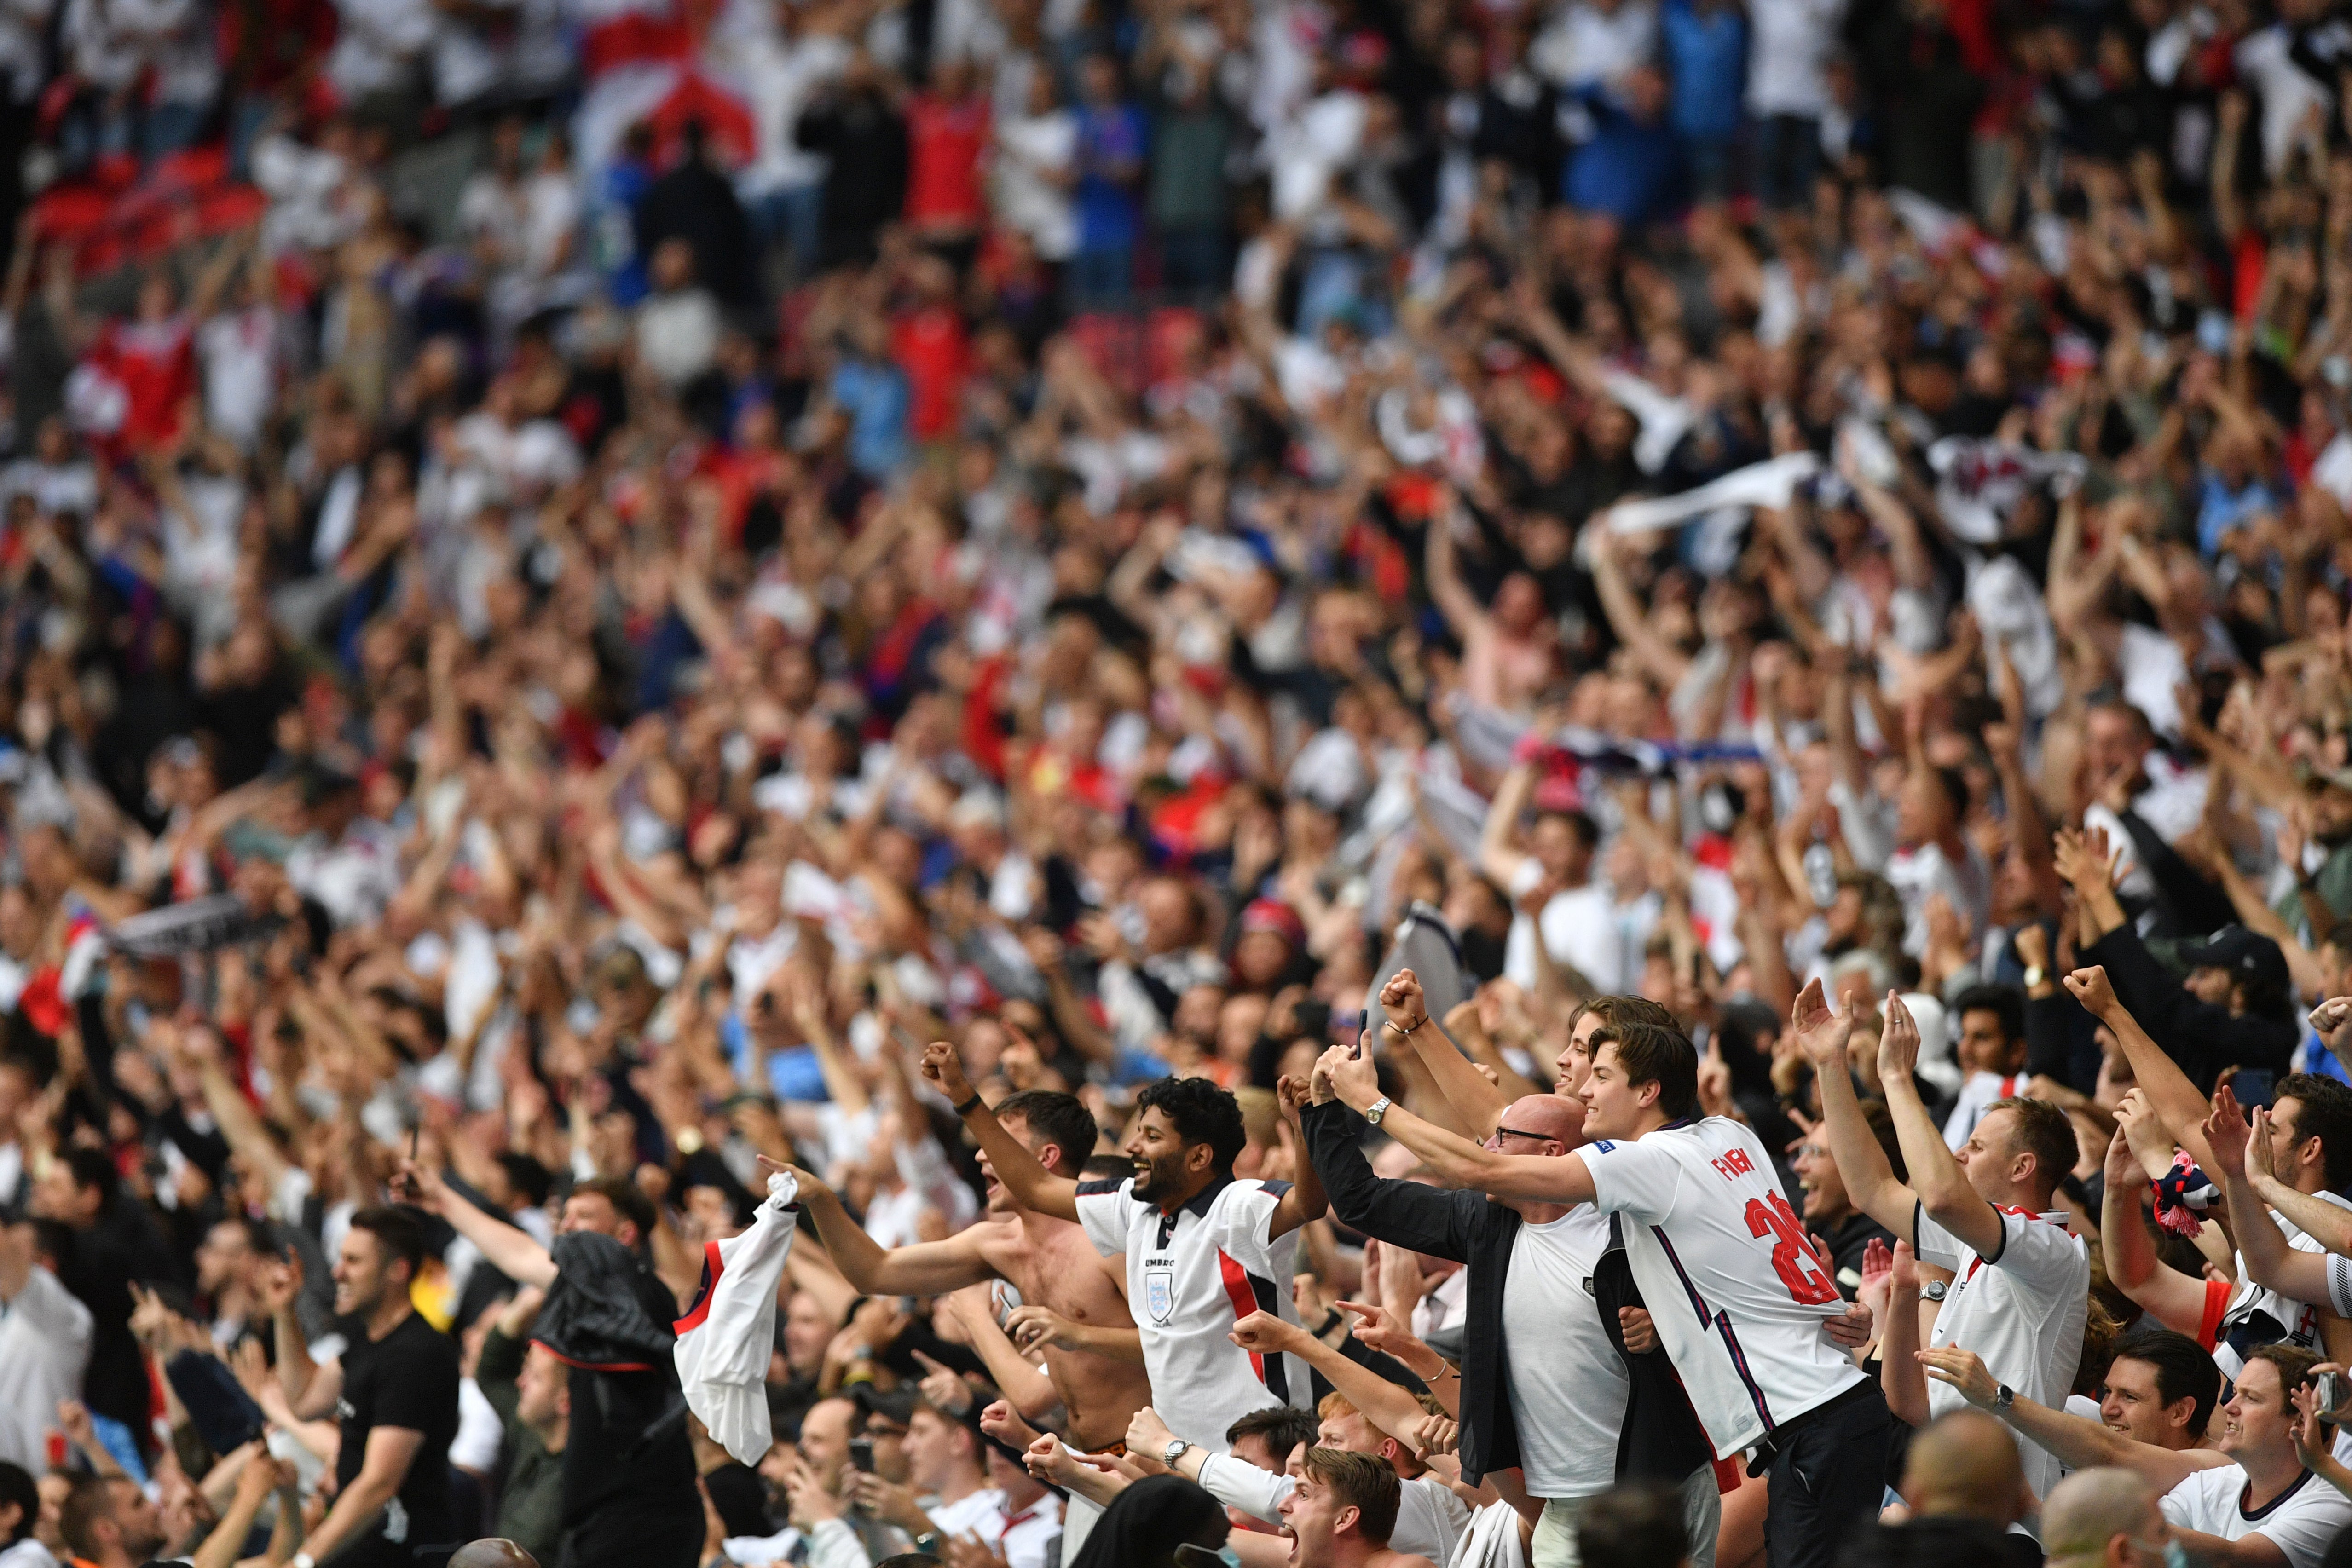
(1072, 1310)
(1203, 1249)
(110, 1522)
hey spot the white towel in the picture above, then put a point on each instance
(1770, 483)
(725, 1342)
(1492, 1541)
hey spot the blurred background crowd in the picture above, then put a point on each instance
(579, 576)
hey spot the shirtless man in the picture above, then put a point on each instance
(1073, 1297)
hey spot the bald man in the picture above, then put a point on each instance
(492, 1551)
(2104, 1517)
(1544, 1385)
(1964, 1486)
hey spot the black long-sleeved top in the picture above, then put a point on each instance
(2202, 1037)
(1466, 1227)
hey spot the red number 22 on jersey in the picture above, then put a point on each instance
(1792, 1256)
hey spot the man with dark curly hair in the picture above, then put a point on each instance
(1203, 1248)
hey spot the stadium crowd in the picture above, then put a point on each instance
(1356, 783)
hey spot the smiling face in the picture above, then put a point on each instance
(2134, 1406)
(1574, 1063)
(1613, 1106)
(1826, 1202)
(1165, 1165)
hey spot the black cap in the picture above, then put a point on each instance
(2247, 955)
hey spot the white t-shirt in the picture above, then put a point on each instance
(2301, 1522)
(1979, 1093)
(1191, 1276)
(1737, 1292)
(2021, 1310)
(1567, 1381)
(1579, 927)
(1921, 873)
(2297, 1323)
(1788, 50)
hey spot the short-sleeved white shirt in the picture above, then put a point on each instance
(1568, 1381)
(1735, 1289)
(2301, 1522)
(1191, 1276)
(2020, 1310)
(2259, 1315)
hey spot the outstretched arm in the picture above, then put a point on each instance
(1563, 1178)
(926, 1269)
(1387, 1406)
(2242, 1153)
(511, 1251)
(2077, 1441)
(1033, 1186)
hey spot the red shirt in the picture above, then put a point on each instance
(928, 343)
(944, 144)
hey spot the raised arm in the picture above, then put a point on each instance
(1033, 1186)
(2239, 1152)
(1496, 857)
(1406, 1009)
(2176, 1300)
(1942, 1186)
(1868, 1175)
(1446, 589)
(2177, 1103)
(512, 1251)
(1306, 1201)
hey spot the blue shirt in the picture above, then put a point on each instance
(1708, 57)
(877, 397)
(1629, 170)
(1110, 137)
(2222, 511)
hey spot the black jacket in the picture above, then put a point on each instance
(1463, 1226)
(2200, 1036)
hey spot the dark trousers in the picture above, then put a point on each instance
(1828, 1479)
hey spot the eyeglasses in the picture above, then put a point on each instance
(1515, 1133)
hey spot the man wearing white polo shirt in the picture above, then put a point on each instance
(2249, 1502)
(1203, 1249)
(2020, 1279)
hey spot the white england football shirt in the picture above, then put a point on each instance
(1191, 1276)
(2020, 1310)
(2257, 1315)
(1979, 1092)
(1737, 1292)
(2301, 1522)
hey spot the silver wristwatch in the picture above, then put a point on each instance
(1935, 1290)
(1376, 1109)
(2003, 1396)
(1173, 1451)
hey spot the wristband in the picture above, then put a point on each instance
(302, 1559)
(967, 1108)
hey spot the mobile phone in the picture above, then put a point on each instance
(1350, 1027)
(861, 1454)
(2331, 1399)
